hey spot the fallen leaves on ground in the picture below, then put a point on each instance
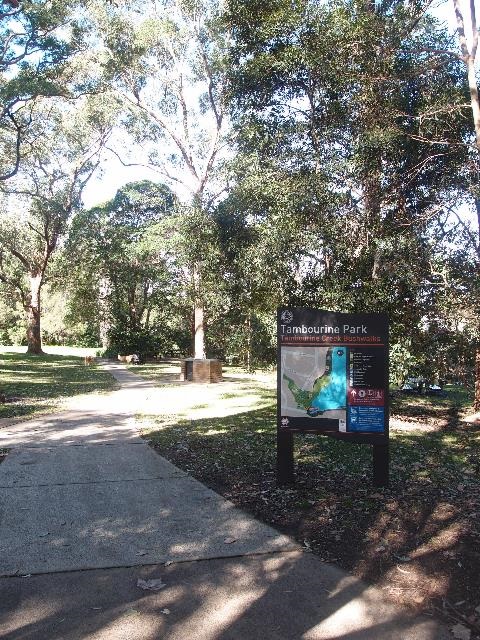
(461, 632)
(154, 584)
(418, 539)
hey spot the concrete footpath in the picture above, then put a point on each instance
(87, 509)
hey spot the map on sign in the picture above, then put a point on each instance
(314, 382)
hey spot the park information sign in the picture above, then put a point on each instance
(333, 375)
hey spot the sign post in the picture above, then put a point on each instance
(332, 373)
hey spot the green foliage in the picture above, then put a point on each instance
(402, 361)
(124, 341)
(121, 270)
(336, 108)
(35, 63)
(12, 321)
(241, 338)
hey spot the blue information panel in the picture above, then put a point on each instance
(366, 419)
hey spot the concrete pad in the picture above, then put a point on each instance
(82, 464)
(286, 596)
(114, 524)
(127, 378)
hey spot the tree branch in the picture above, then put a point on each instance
(473, 18)
(163, 125)
(471, 236)
(19, 256)
(441, 52)
(208, 73)
(154, 168)
(18, 143)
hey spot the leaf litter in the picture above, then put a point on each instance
(427, 519)
(461, 632)
(154, 584)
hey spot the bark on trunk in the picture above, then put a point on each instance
(475, 104)
(199, 339)
(474, 100)
(198, 320)
(32, 308)
(476, 404)
(248, 328)
(104, 321)
(469, 53)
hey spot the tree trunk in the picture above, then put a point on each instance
(469, 53)
(198, 320)
(474, 101)
(104, 317)
(248, 330)
(475, 104)
(476, 404)
(32, 308)
(199, 337)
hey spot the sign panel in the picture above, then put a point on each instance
(332, 372)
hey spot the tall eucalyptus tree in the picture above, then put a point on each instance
(166, 60)
(468, 55)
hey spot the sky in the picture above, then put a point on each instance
(103, 186)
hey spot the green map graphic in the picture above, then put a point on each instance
(329, 391)
(303, 398)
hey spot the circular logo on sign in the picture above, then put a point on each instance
(287, 316)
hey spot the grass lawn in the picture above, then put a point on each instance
(419, 539)
(35, 384)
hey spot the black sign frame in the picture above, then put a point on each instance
(359, 337)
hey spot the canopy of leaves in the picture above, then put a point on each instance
(39, 39)
(352, 123)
